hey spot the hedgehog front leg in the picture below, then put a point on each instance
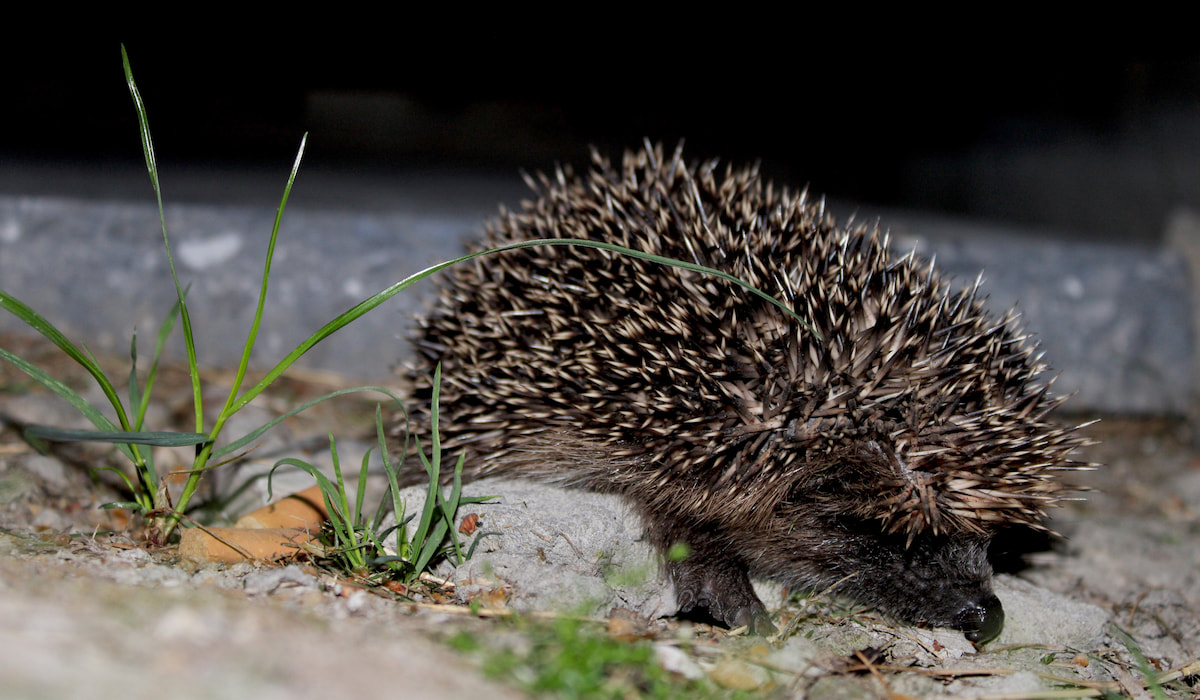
(710, 576)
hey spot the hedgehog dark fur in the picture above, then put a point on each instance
(878, 458)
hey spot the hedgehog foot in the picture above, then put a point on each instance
(723, 590)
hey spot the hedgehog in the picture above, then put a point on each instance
(874, 450)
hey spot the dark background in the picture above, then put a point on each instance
(991, 131)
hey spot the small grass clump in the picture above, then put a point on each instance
(359, 546)
(567, 658)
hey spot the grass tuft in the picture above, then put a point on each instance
(360, 546)
(569, 658)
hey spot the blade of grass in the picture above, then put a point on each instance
(135, 402)
(262, 293)
(35, 321)
(141, 403)
(1149, 674)
(346, 543)
(432, 465)
(450, 506)
(398, 505)
(120, 437)
(429, 532)
(229, 410)
(375, 300)
(327, 487)
(388, 470)
(135, 397)
(341, 484)
(258, 432)
(89, 411)
(361, 495)
(164, 332)
(185, 318)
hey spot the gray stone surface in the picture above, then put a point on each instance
(1115, 322)
(557, 549)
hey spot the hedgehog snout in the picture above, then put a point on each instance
(980, 620)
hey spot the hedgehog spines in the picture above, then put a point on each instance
(716, 404)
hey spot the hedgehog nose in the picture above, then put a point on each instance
(981, 620)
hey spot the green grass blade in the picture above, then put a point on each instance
(393, 484)
(229, 409)
(89, 411)
(360, 496)
(328, 490)
(433, 496)
(1149, 674)
(341, 485)
(262, 293)
(375, 300)
(450, 507)
(164, 331)
(258, 432)
(120, 437)
(135, 395)
(434, 409)
(346, 522)
(38, 323)
(345, 542)
(388, 470)
(478, 538)
(136, 401)
(152, 167)
(430, 547)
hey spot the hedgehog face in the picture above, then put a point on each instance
(933, 580)
(938, 581)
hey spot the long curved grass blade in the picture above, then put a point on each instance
(375, 300)
(164, 332)
(393, 490)
(152, 166)
(328, 490)
(262, 293)
(128, 484)
(135, 395)
(345, 510)
(334, 495)
(38, 323)
(450, 506)
(136, 402)
(228, 410)
(478, 537)
(89, 411)
(360, 496)
(120, 437)
(258, 432)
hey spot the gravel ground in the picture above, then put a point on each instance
(88, 610)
